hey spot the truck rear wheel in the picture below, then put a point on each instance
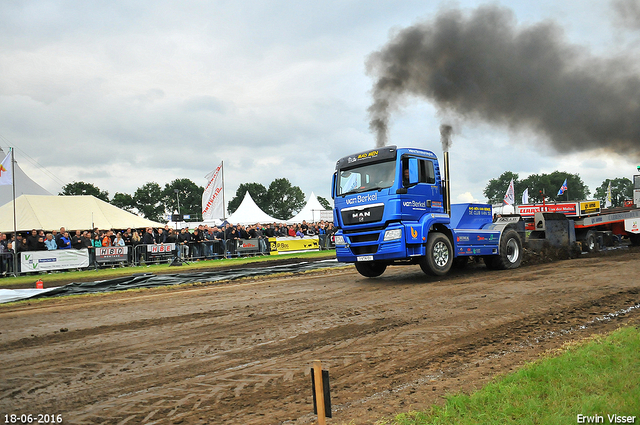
(510, 255)
(371, 268)
(589, 242)
(439, 256)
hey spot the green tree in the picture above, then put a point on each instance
(325, 204)
(497, 188)
(123, 201)
(189, 195)
(257, 191)
(550, 184)
(148, 201)
(285, 200)
(82, 188)
(621, 189)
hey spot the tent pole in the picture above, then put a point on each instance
(15, 223)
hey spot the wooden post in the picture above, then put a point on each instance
(317, 375)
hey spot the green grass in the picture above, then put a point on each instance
(54, 279)
(598, 377)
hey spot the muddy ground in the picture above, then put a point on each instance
(240, 353)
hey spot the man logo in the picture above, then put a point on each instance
(414, 233)
(361, 215)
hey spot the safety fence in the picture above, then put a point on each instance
(145, 254)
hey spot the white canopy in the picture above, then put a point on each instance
(24, 185)
(310, 212)
(250, 213)
(72, 212)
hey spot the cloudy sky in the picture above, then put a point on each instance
(122, 93)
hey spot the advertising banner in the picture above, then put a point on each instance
(34, 261)
(569, 209)
(161, 249)
(291, 244)
(589, 207)
(111, 253)
(247, 246)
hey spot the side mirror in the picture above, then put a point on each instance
(333, 186)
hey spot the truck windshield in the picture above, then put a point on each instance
(367, 177)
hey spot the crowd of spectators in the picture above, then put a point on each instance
(197, 243)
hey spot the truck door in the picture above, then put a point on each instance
(420, 183)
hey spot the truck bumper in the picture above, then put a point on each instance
(371, 246)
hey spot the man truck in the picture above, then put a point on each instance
(392, 206)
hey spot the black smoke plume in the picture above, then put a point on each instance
(483, 66)
(445, 136)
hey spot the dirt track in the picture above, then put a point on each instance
(240, 353)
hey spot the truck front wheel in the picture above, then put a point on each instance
(439, 256)
(371, 268)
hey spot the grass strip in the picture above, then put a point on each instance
(596, 378)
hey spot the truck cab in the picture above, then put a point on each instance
(391, 207)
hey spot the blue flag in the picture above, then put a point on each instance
(563, 188)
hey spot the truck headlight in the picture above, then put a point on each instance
(339, 240)
(392, 235)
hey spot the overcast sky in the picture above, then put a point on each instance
(122, 93)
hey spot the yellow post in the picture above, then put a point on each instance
(317, 375)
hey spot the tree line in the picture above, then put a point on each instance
(281, 200)
(549, 185)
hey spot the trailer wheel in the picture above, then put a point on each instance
(589, 242)
(371, 268)
(510, 255)
(635, 239)
(439, 256)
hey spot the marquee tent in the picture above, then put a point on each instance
(24, 185)
(250, 213)
(72, 212)
(310, 212)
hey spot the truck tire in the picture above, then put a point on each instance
(635, 239)
(439, 256)
(371, 268)
(510, 255)
(589, 243)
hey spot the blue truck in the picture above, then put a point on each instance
(392, 206)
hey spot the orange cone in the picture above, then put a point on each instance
(39, 284)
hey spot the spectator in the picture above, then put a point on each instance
(76, 240)
(118, 241)
(50, 243)
(161, 237)
(32, 241)
(59, 236)
(183, 243)
(65, 241)
(106, 239)
(40, 246)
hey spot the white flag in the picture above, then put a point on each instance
(212, 196)
(607, 202)
(525, 196)
(510, 196)
(6, 177)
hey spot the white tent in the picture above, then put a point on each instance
(249, 213)
(24, 185)
(310, 213)
(72, 212)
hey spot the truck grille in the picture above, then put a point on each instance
(362, 215)
(371, 237)
(362, 250)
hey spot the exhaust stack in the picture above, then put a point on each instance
(447, 188)
(445, 138)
